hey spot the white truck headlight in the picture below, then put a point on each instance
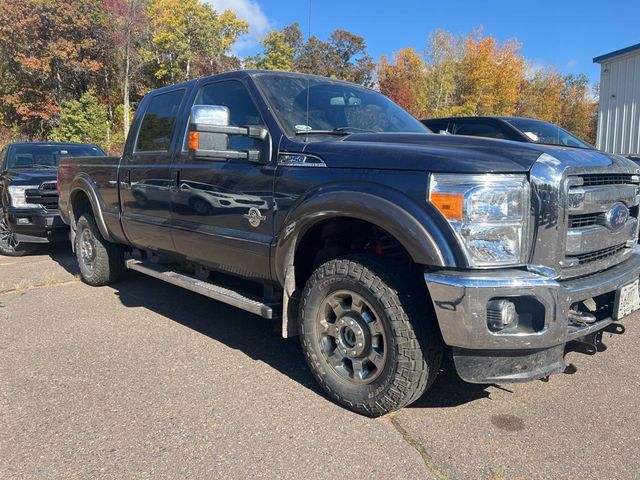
(488, 213)
(18, 196)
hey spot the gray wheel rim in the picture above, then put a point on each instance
(7, 237)
(352, 337)
(87, 249)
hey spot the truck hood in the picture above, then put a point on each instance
(30, 176)
(445, 153)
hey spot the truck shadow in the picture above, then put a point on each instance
(256, 337)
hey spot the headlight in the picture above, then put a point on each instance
(488, 213)
(18, 197)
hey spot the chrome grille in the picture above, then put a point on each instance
(585, 220)
(592, 241)
(595, 179)
(600, 254)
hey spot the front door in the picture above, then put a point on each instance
(146, 177)
(224, 208)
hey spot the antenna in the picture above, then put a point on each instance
(308, 81)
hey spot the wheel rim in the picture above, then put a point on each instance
(7, 237)
(87, 249)
(352, 337)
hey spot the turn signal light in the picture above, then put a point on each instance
(194, 140)
(449, 204)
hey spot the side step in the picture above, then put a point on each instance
(203, 287)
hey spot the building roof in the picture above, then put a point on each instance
(622, 51)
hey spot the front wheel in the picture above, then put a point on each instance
(100, 261)
(368, 334)
(9, 244)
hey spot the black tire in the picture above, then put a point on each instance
(9, 246)
(387, 308)
(100, 261)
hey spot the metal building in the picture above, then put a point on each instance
(619, 113)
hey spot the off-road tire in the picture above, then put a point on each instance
(106, 258)
(414, 344)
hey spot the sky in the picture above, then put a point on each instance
(564, 34)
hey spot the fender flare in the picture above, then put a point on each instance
(419, 228)
(85, 184)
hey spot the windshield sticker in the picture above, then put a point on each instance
(303, 128)
(532, 136)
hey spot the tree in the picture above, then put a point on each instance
(187, 34)
(49, 52)
(280, 48)
(84, 120)
(405, 80)
(129, 35)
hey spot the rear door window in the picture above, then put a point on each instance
(158, 122)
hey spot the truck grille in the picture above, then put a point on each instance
(596, 238)
(596, 179)
(600, 254)
(46, 196)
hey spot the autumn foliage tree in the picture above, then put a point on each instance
(50, 51)
(478, 75)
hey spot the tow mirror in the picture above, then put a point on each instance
(209, 132)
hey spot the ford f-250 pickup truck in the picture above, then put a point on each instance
(325, 205)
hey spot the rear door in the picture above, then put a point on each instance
(224, 208)
(146, 177)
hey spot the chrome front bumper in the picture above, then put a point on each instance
(460, 301)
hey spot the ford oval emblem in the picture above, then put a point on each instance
(617, 216)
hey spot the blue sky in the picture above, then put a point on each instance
(564, 34)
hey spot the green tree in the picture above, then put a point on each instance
(280, 48)
(84, 120)
(189, 38)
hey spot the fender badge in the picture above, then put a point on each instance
(255, 217)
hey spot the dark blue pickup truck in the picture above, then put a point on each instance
(325, 205)
(29, 196)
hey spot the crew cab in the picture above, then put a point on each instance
(324, 205)
(28, 193)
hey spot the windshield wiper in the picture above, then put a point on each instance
(35, 166)
(335, 131)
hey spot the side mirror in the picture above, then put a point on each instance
(209, 132)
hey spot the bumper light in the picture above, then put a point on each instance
(501, 314)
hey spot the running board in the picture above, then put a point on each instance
(203, 287)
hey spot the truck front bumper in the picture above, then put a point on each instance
(535, 348)
(37, 225)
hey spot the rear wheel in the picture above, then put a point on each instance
(367, 334)
(9, 245)
(100, 261)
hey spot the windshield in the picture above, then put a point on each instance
(334, 107)
(547, 133)
(35, 156)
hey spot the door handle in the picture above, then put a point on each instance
(175, 181)
(126, 183)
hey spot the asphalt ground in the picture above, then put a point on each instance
(146, 380)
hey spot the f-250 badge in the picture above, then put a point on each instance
(255, 217)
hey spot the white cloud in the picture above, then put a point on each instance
(251, 11)
(572, 63)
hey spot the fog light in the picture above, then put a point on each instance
(501, 314)
(23, 221)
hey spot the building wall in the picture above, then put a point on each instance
(619, 113)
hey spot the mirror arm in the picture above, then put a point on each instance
(250, 155)
(250, 131)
